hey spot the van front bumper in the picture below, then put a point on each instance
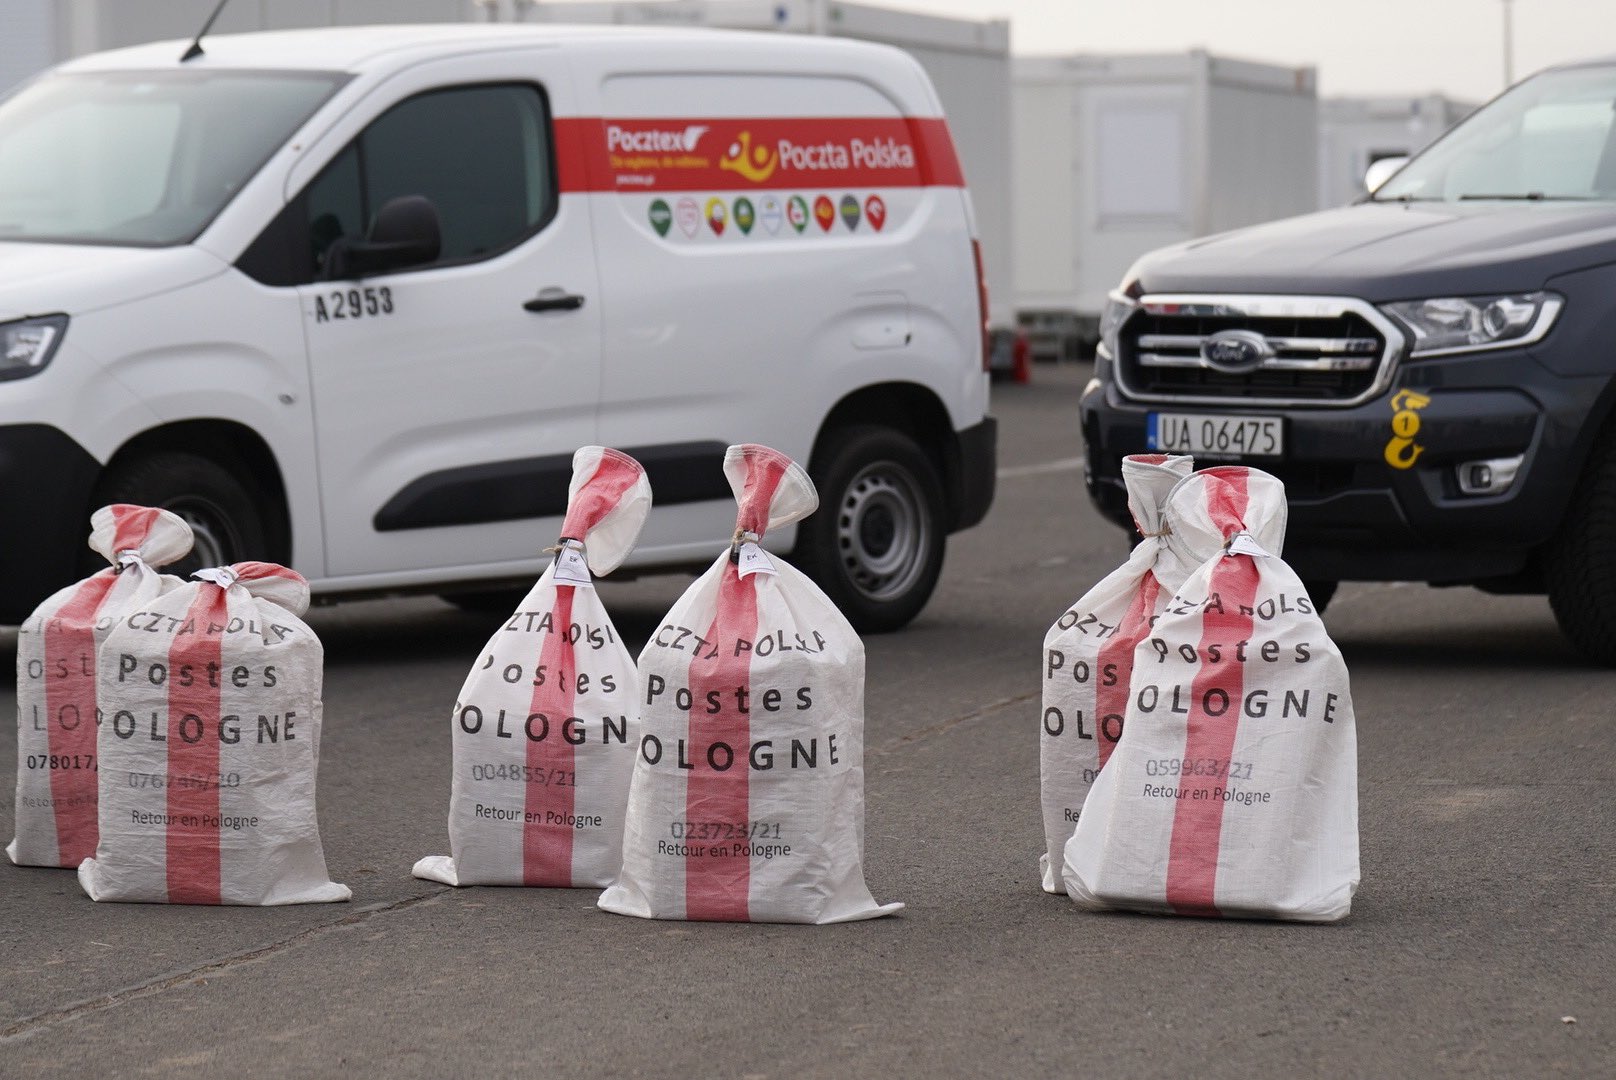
(45, 483)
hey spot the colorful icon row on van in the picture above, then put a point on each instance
(770, 214)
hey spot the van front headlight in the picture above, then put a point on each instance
(1460, 324)
(27, 345)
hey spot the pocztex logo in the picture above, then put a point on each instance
(755, 163)
(1402, 451)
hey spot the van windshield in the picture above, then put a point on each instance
(1552, 137)
(141, 158)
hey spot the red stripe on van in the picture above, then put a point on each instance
(547, 838)
(1192, 862)
(718, 886)
(807, 154)
(193, 763)
(70, 691)
(1115, 666)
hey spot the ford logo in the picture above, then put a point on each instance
(1236, 351)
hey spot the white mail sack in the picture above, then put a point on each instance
(1234, 788)
(57, 715)
(747, 802)
(1088, 657)
(547, 723)
(209, 746)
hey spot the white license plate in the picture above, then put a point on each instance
(1205, 433)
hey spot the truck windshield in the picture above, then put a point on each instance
(141, 158)
(1552, 137)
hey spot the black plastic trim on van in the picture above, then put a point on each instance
(45, 483)
(537, 487)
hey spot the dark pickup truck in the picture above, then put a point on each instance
(1431, 371)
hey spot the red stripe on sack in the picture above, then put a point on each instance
(781, 153)
(600, 494)
(1115, 664)
(70, 650)
(547, 838)
(193, 752)
(552, 783)
(1192, 862)
(131, 526)
(717, 790)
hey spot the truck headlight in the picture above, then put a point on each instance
(1118, 306)
(1460, 324)
(27, 345)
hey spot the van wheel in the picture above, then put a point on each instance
(1579, 569)
(223, 517)
(875, 545)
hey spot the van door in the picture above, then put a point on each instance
(449, 396)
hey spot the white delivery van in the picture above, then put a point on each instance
(349, 299)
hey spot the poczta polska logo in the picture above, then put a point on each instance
(756, 163)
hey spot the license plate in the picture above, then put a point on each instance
(1204, 433)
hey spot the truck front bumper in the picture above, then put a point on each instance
(1364, 506)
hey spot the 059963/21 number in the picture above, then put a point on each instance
(355, 303)
(1217, 768)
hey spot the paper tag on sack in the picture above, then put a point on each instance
(572, 569)
(754, 560)
(1243, 544)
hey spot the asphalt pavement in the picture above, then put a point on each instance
(1480, 943)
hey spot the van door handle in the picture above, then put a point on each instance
(554, 300)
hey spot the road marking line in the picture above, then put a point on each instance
(1011, 472)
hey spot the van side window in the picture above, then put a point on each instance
(481, 154)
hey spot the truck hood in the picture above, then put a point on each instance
(43, 279)
(1393, 251)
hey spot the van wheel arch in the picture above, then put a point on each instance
(206, 469)
(881, 464)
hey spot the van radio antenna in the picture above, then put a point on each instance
(196, 43)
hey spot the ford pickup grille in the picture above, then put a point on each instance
(1262, 350)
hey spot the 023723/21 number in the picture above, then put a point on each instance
(356, 303)
(1202, 433)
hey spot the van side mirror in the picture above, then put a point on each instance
(1381, 170)
(405, 233)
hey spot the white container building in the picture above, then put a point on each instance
(1118, 155)
(1354, 133)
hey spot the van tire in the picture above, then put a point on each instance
(223, 515)
(875, 545)
(1580, 567)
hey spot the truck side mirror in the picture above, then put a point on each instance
(1381, 170)
(405, 233)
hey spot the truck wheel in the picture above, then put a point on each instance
(223, 516)
(1579, 568)
(875, 545)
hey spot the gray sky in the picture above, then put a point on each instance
(1360, 47)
